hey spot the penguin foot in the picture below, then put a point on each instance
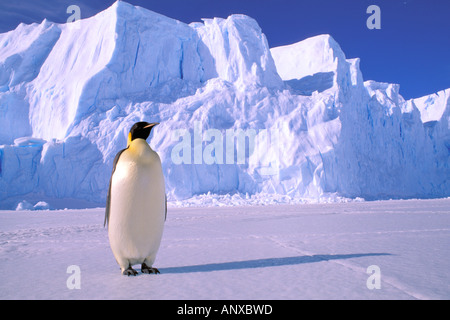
(149, 270)
(130, 272)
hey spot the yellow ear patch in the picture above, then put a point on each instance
(129, 139)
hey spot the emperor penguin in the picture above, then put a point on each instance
(136, 206)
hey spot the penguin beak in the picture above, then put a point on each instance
(151, 125)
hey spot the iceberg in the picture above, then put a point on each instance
(302, 117)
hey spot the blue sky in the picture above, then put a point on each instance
(412, 47)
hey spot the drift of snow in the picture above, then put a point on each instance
(69, 93)
(308, 251)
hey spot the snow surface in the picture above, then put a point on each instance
(69, 94)
(308, 251)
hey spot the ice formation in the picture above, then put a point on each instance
(302, 116)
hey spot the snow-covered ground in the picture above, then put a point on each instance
(303, 251)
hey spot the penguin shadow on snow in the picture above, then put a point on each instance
(265, 263)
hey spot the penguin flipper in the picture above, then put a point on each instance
(108, 199)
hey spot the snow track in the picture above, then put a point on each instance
(358, 269)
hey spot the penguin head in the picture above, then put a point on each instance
(140, 130)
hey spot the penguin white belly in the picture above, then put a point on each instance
(137, 210)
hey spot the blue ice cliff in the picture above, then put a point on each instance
(311, 125)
